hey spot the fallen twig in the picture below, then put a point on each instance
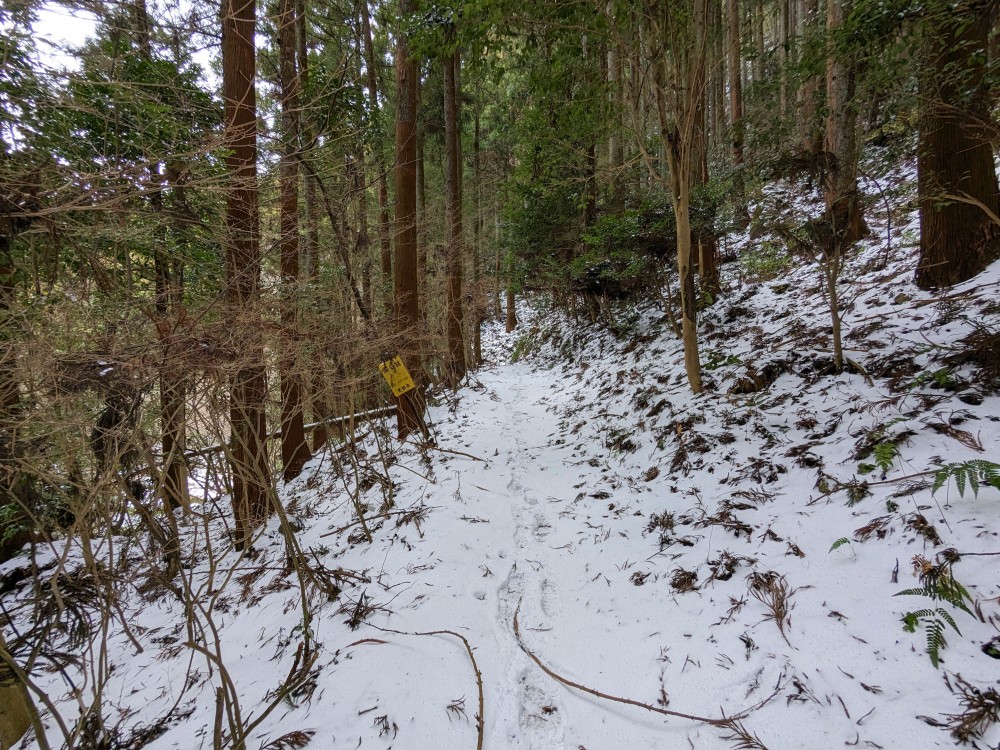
(431, 446)
(481, 717)
(894, 480)
(726, 722)
(380, 515)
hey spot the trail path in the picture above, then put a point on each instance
(529, 714)
(533, 498)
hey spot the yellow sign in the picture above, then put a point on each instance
(397, 376)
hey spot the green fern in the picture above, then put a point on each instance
(973, 474)
(885, 456)
(933, 621)
(935, 639)
(938, 584)
(840, 543)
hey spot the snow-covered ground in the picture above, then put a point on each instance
(645, 537)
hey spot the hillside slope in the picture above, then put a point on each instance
(704, 554)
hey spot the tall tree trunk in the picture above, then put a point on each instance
(680, 180)
(167, 301)
(11, 477)
(957, 182)
(423, 246)
(841, 141)
(590, 171)
(453, 222)
(477, 239)
(407, 299)
(167, 304)
(309, 249)
(616, 154)
(248, 387)
(679, 84)
(784, 36)
(363, 243)
(756, 10)
(174, 380)
(704, 236)
(385, 246)
(10, 392)
(734, 64)
(511, 321)
(497, 259)
(810, 91)
(294, 450)
(310, 201)
(719, 69)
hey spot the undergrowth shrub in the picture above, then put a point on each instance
(765, 261)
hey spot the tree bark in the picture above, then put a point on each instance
(616, 154)
(477, 238)
(453, 222)
(248, 386)
(407, 299)
(957, 183)
(309, 248)
(734, 64)
(841, 141)
(704, 237)
(679, 84)
(385, 245)
(784, 36)
(17, 712)
(810, 91)
(294, 449)
(10, 400)
(310, 202)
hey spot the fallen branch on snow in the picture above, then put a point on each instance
(725, 722)
(481, 717)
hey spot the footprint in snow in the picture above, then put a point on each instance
(550, 598)
(541, 717)
(542, 528)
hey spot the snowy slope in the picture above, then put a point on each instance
(630, 524)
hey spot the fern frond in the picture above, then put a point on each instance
(937, 584)
(840, 543)
(919, 614)
(935, 640)
(885, 455)
(955, 594)
(946, 616)
(973, 474)
(912, 592)
(940, 477)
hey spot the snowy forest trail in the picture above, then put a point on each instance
(534, 511)
(528, 713)
(634, 527)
